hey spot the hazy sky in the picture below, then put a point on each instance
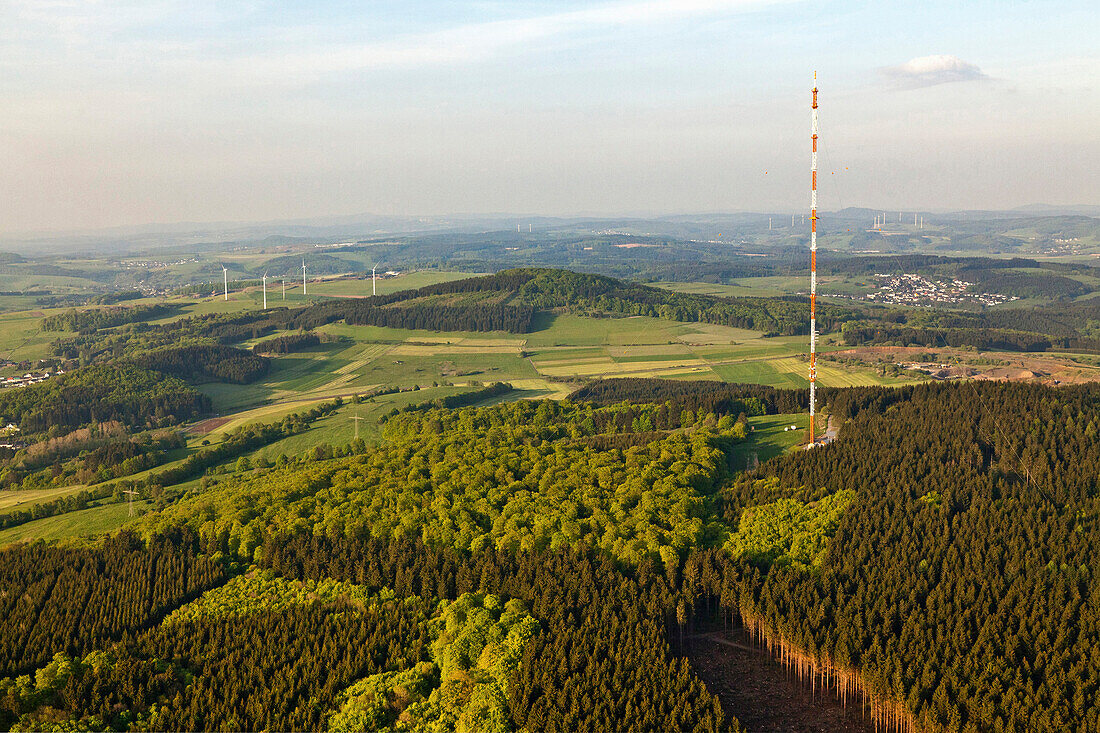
(117, 113)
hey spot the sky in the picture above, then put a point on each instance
(125, 113)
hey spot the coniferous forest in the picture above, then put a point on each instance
(537, 565)
(473, 366)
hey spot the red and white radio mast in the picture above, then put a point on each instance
(813, 262)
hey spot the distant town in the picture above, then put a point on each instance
(913, 289)
(45, 369)
(28, 379)
(154, 264)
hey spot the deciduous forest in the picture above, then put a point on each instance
(535, 565)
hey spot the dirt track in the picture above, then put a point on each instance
(759, 693)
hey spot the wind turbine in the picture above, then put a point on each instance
(373, 280)
(284, 288)
(225, 278)
(303, 277)
(265, 291)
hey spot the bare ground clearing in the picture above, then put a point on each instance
(759, 692)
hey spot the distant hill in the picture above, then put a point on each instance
(1057, 210)
(544, 289)
(316, 264)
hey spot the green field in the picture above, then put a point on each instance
(22, 500)
(84, 523)
(338, 428)
(22, 337)
(356, 287)
(768, 439)
(349, 367)
(770, 287)
(565, 347)
(17, 303)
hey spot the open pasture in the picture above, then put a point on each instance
(305, 373)
(759, 372)
(459, 349)
(611, 367)
(23, 500)
(22, 337)
(11, 303)
(572, 330)
(778, 285)
(338, 428)
(355, 287)
(84, 523)
(566, 348)
(768, 439)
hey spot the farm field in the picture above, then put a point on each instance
(566, 350)
(22, 338)
(361, 288)
(648, 347)
(770, 287)
(86, 522)
(337, 428)
(22, 500)
(791, 372)
(9, 303)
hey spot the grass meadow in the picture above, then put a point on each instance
(84, 523)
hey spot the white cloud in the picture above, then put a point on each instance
(926, 71)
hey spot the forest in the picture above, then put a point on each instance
(488, 563)
(545, 289)
(127, 393)
(719, 397)
(205, 363)
(88, 455)
(287, 344)
(937, 562)
(89, 320)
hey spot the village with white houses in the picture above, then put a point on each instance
(27, 378)
(8, 437)
(913, 289)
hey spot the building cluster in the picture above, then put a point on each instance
(8, 439)
(913, 289)
(27, 379)
(1064, 246)
(150, 291)
(154, 264)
